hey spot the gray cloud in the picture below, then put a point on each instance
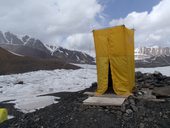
(50, 20)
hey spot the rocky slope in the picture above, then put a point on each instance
(32, 47)
(12, 63)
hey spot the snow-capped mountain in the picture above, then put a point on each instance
(139, 55)
(152, 56)
(9, 38)
(51, 48)
(147, 52)
(29, 46)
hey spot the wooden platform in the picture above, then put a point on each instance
(104, 100)
(105, 95)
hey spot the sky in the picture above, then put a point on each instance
(69, 23)
(120, 8)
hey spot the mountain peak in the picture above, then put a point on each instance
(25, 38)
(12, 39)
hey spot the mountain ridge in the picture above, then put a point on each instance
(11, 63)
(27, 46)
(148, 52)
(154, 56)
(32, 47)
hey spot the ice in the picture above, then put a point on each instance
(10, 117)
(43, 82)
(163, 70)
(30, 104)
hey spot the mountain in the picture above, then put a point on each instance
(27, 46)
(73, 56)
(32, 47)
(147, 52)
(152, 56)
(26, 51)
(12, 63)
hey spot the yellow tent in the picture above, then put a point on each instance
(115, 46)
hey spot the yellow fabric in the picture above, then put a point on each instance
(115, 46)
(3, 114)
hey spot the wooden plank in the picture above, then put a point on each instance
(104, 101)
(105, 95)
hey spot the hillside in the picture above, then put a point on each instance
(10, 63)
(32, 47)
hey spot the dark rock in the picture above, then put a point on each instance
(25, 38)
(19, 82)
(123, 108)
(129, 111)
(140, 80)
(134, 108)
(138, 75)
(131, 101)
(141, 125)
(162, 91)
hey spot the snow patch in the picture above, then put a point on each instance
(15, 53)
(66, 53)
(51, 48)
(5, 38)
(84, 54)
(26, 96)
(31, 104)
(77, 58)
(163, 70)
(60, 50)
(10, 117)
(26, 41)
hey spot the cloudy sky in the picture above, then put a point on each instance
(69, 22)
